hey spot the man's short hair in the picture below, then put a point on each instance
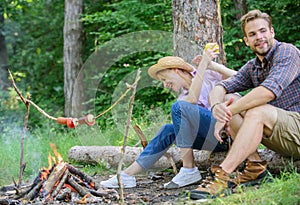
(252, 15)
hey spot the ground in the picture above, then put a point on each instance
(150, 190)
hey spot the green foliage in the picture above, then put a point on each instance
(35, 45)
(285, 21)
(34, 37)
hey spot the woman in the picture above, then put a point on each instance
(193, 87)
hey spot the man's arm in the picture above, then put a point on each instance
(256, 97)
(216, 99)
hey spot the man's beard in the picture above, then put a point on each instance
(269, 43)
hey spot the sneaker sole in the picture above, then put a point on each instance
(116, 187)
(173, 185)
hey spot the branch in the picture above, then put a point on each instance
(15, 87)
(120, 98)
(126, 134)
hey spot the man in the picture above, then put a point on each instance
(268, 114)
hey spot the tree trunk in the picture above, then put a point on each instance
(196, 23)
(240, 8)
(3, 54)
(111, 155)
(73, 87)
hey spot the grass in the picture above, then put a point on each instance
(37, 146)
(36, 149)
(284, 190)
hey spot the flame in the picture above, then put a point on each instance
(49, 161)
(56, 153)
(44, 174)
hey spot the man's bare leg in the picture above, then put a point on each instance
(257, 121)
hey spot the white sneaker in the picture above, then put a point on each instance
(127, 181)
(183, 179)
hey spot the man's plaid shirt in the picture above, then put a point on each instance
(279, 72)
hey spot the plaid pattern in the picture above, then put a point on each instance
(279, 72)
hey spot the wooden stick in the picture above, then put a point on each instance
(131, 102)
(84, 177)
(170, 158)
(81, 190)
(41, 111)
(120, 98)
(61, 183)
(15, 87)
(33, 192)
(141, 135)
(54, 177)
(145, 143)
(22, 163)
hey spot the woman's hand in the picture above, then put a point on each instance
(211, 52)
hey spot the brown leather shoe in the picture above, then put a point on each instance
(217, 184)
(253, 174)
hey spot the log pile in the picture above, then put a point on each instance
(62, 183)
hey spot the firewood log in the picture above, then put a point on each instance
(54, 177)
(204, 159)
(81, 190)
(84, 177)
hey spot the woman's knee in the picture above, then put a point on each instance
(181, 106)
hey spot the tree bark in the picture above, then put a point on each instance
(196, 23)
(111, 155)
(240, 8)
(73, 86)
(3, 54)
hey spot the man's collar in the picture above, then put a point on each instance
(269, 54)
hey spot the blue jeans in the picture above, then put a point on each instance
(193, 127)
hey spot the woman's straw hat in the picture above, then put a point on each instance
(169, 62)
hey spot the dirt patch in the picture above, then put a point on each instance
(150, 190)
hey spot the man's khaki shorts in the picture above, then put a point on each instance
(285, 138)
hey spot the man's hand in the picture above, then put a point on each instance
(223, 116)
(221, 111)
(218, 127)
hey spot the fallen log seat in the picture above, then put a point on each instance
(111, 155)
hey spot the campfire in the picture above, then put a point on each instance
(60, 182)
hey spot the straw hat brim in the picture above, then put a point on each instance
(169, 62)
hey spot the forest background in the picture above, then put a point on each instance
(33, 32)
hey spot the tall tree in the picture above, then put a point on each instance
(240, 8)
(73, 88)
(196, 23)
(3, 53)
